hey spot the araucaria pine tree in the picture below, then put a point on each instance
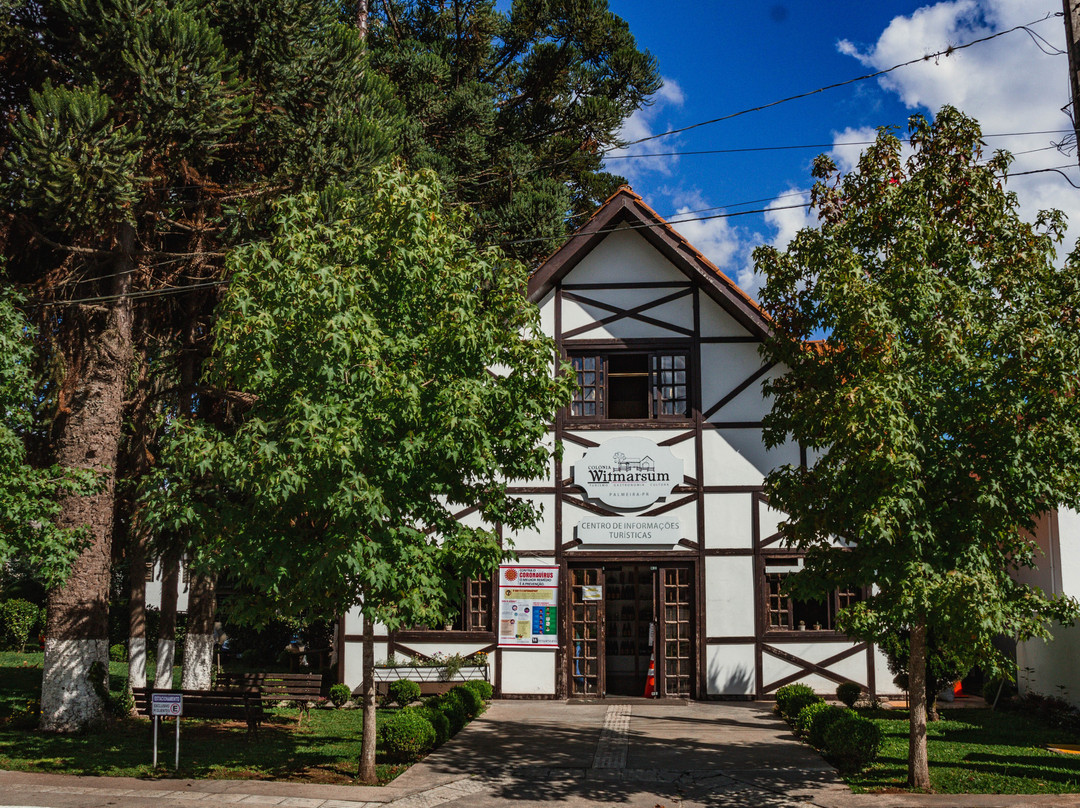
(145, 137)
(940, 411)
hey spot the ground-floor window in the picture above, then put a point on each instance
(475, 611)
(786, 613)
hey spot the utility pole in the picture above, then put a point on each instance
(1072, 30)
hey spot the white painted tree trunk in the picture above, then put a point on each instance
(198, 661)
(66, 687)
(166, 650)
(137, 661)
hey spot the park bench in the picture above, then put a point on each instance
(303, 688)
(244, 704)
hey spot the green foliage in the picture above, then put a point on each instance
(439, 722)
(365, 333)
(340, 693)
(943, 664)
(451, 705)
(790, 699)
(29, 496)
(483, 689)
(848, 693)
(18, 618)
(940, 410)
(853, 741)
(118, 652)
(406, 735)
(404, 692)
(822, 720)
(470, 700)
(513, 106)
(805, 717)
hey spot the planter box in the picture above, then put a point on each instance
(429, 674)
(432, 680)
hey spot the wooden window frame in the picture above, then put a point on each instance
(469, 621)
(833, 603)
(652, 354)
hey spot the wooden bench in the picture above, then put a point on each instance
(303, 688)
(245, 704)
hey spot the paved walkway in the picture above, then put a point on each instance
(522, 754)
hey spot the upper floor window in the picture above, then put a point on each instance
(631, 386)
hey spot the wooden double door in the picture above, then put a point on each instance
(624, 616)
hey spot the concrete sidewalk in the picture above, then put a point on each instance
(638, 754)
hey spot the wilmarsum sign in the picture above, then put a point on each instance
(628, 472)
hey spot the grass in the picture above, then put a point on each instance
(326, 749)
(975, 751)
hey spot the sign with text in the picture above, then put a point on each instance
(598, 530)
(528, 606)
(166, 704)
(628, 472)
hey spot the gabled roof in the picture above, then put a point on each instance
(626, 210)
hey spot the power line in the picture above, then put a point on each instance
(833, 145)
(946, 52)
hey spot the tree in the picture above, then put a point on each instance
(29, 496)
(146, 136)
(394, 375)
(940, 410)
(513, 108)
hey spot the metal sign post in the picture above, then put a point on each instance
(169, 704)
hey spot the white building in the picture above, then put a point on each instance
(1049, 668)
(671, 546)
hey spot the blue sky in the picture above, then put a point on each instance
(722, 56)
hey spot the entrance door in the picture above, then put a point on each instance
(630, 611)
(676, 632)
(586, 630)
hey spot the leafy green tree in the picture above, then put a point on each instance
(940, 412)
(145, 137)
(393, 375)
(29, 496)
(513, 108)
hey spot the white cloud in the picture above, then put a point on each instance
(788, 215)
(631, 162)
(1009, 84)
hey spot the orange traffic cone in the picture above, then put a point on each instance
(650, 679)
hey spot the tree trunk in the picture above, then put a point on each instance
(137, 611)
(367, 695)
(87, 434)
(166, 647)
(199, 639)
(918, 765)
(362, 18)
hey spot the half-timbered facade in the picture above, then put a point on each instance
(667, 550)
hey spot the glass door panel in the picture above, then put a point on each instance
(677, 631)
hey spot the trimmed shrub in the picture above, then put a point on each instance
(849, 693)
(406, 735)
(470, 699)
(404, 692)
(483, 689)
(340, 693)
(853, 741)
(790, 699)
(117, 652)
(806, 716)
(821, 721)
(440, 723)
(17, 620)
(450, 705)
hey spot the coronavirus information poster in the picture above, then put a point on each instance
(528, 606)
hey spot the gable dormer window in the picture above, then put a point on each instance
(631, 386)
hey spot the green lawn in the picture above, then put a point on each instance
(975, 751)
(324, 750)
